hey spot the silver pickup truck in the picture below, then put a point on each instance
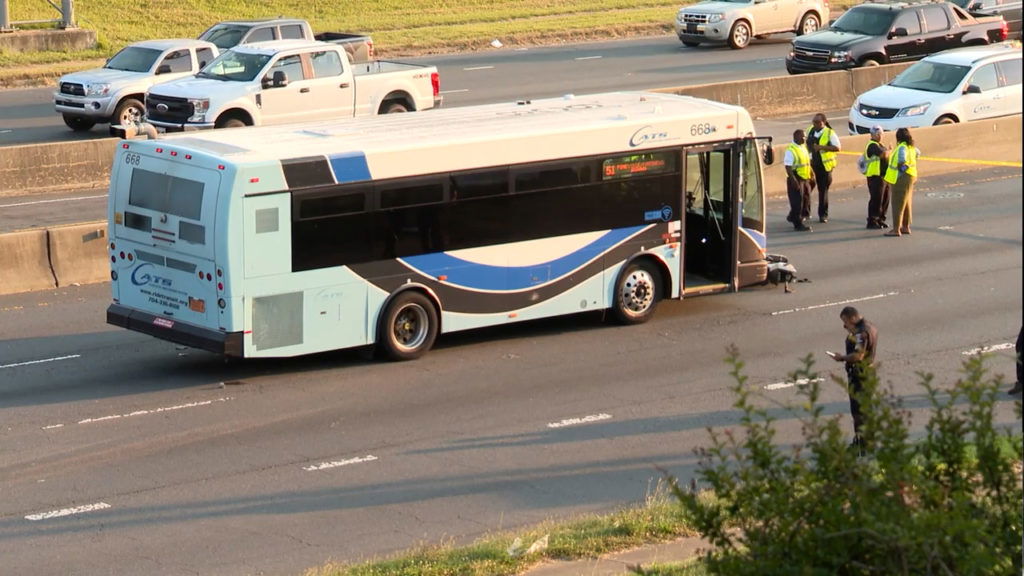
(736, 22)
(232, 33)
(116, 92)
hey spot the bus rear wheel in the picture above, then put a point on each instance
(637, 292)
(408, 327)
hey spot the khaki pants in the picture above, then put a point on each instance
(902, 201)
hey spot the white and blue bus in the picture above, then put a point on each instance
(390, 230)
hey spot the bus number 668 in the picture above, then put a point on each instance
(701, 129)
(132, 159)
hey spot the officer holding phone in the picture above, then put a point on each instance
(861, 341)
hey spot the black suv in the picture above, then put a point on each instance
(886, 33)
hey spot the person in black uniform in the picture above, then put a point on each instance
(861, 343)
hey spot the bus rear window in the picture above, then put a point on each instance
(166, 194)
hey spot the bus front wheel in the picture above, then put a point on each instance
(408, 327)
(637, 292)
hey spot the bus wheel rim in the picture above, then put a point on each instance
(410, 327)
(638, 292)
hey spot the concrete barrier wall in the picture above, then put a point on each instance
(944, 149)
(25, 262)
(787, 95)
(56, 165)
(78, 253)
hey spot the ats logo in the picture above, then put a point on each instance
(647, 135)
(143, 275)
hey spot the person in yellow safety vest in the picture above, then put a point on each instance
(798, 181)
(901, 175)
(877, 156)
(823, 143)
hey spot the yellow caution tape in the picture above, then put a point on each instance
(959, 160)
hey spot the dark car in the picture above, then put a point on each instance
(886, 33)
(1010, 10)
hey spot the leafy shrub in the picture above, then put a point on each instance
(945, 502)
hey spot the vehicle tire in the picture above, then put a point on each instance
(690, 43)
(128, 111)
(78, 123)
(230, 122)
(408, 327)
(637, 292)
(869, 63)
(394, 108)
(944, 121)
(739, 36)
(809, 23)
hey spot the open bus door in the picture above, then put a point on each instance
(708, 257)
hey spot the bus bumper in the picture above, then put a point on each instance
(226, 343)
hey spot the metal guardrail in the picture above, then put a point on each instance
(66, 20)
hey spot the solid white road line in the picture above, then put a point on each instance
(987, 349)
(584, 420)
(840, 303)
(40, 361)
(68, 511)
(337, 463)
(34, 202)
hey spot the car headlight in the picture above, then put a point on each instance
(840, 56)
(915, 110)
(97, 89)
(714, 18)
(199, 108)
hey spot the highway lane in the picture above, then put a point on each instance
(122, 451)
(27, 115)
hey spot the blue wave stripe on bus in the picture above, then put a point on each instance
(759, 237)
(349, 167)
(472, 275)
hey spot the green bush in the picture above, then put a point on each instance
(944, 502)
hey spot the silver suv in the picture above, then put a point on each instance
(735, 22)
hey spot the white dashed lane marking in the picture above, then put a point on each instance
(43, 361)
(338, 463)
(143, 412)
(987, 349)
(799, 382)
(828, 304)
(472, 68)
(583, 420)
(68, 511)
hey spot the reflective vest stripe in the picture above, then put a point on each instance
(801, 160)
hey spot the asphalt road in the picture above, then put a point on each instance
(123, 454)
(27, 116)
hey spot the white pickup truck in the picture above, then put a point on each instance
(115, 92)
(231, 33)
(287, 81)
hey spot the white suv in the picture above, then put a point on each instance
(957, 85)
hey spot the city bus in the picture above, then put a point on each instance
(388, 231)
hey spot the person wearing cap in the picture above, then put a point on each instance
(823, 144)
(798, 181)
(876, 155)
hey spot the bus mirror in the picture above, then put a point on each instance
(768, 153)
